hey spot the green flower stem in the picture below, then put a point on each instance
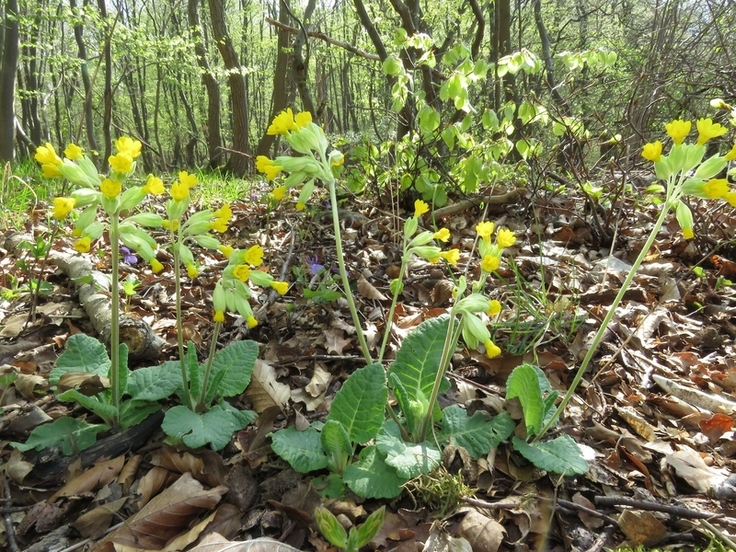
(392, 310)
(115, 320)
(202, 405)
(451, 338)
(671, 201)
(344, 274)
(179, 324)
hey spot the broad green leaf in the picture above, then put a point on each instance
(360, 536)
(154, 382)
(409, 459)
(524, 383)
(70, 434)
(82, 354)
(330, 486)
(194, 374)
(360, 404)
(405, 405)
(235, 362)
(336, 444)
(330, 527)
(478, 434)
(301, 449)
(371, 477)
(215, 427)
(123, 370)
(104, 410)
(561, 455)
(133, 412)
(490, 120)
(418, 359)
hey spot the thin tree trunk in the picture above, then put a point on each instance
(300, 63)
(8, 68)
(82, 54)
(239, 162)
(107, 95)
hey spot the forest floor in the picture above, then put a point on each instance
(654, 412)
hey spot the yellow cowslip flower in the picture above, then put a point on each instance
(219, 225)
(63, 206)
(226, 250)
(242, 272)
(731, 155)
(156, 266)
(652, 151)
(172, 225)
(83, 244)
(154, 186)
(731, 198)
(687, 233)
(280, 287)
(121, 162)
(46, 155)
(219, 316)
(77, 232)
(494, 307)
(420, 207)
(302, 119)
(224, 212)
(251, 321)
(492, 350)
(707, 129)
(254, 256)
(192, 271)
(73, 152)
(267, 167)
(452, 256)
(49, 170)
(300, 206)
(490, 263)
(678, 129)
(484, 230)
(111, 188)
(443, 234)
(716, 188)
(337, 161)
(128, 145)
(279, 193)
(505, 238)
(283, 123)
(187, 179)
(179, 191)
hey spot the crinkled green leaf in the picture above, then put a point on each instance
(301, 449)
(371, 477)
(71, 434)
(417, 361)
(409, 459)
(360, 404)
(330, 527)
(561, 455)
(231, 369)
(478, 434)
(154, 382)
(362, 535)
(214, 427)
(133, 412)
(528, 382)
(336, 444)
(82, 354)
(104, 410)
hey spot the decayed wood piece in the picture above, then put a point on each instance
(94, 297)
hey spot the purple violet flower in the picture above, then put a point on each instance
(128, 256)
(314, 266)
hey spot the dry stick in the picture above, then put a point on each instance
(600, 542)
(7, 518)
(679, 511)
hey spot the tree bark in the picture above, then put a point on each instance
(300, 63)
(89, 121)
(214, 138)
(8, 68)
(107, 94)
(239, 162)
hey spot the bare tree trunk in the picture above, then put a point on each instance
(300, 63)
(107, 110)
(8, 68)
(82, 54)
(239, 162)
(280, 86)
(214, 138)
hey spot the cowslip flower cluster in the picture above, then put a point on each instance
(685, 171)
(475, 330)
(490, 253)
(315, 163)
(418, 245)
(232, 292)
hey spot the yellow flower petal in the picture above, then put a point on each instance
(226, 250)
(302, 119)
(121, 162)
(443, 234)
(251, 322)
(687, 233)
(154, 186)
(494, 307)
(678, 129)
(492, 350)
(73, 152)
(652, 151)
(62, 207)
(46, 155)
(484, 229)
(716, 188)
(283, 123)
(111, 188)
(707, 129)
(242, 272)
(254, 256)
(192, 271)
(490, 263)
(280, 287)
(731, 155)
(505, 238)
(279, 193)
(126, 144)
(83, 244)
(219, 316)
(452, 256)
(420, 207)
(156, 266)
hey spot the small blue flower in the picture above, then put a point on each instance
(314, 266)
(128, 256)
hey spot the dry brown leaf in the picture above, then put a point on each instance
(440, 541)
(95, 477)
(226, 519)
(636, 422)
(127, 474)
(641, 528)
(483, 533)
(591, 522)
(166, 516)
(335, 342)
(689, 465)
(207, 466)
(27, 384)
(264, 390)
(716, 426)
(707, 401)
(367, 290)
(94, 523)
(17, 468)
(217, 543)
(84, 382)
(150, 484)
